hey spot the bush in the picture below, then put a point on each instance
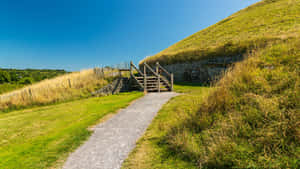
(26, 81)
(4, 77)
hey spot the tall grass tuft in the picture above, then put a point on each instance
(62, 88)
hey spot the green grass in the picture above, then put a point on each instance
(7, 87)
(248, 29)
(42, 137)
(152, 149)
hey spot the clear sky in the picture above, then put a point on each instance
(78, 34)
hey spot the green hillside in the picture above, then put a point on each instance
(255, 26)
(250, 117)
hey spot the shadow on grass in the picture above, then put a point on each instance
(176, 152)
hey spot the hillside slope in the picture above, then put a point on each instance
(250, 118)
(253, 27)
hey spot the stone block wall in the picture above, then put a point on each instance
(203, 71)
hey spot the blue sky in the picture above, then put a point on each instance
(79, 34)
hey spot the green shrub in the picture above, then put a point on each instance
(26, 81)
(4, 77)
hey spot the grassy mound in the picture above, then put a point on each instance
(251, 28)
(250, 118)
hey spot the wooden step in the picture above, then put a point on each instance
(148, 77)
(154, 80)
(152, 84)
(155, 84)
(162, 90)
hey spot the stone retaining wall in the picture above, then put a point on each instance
(201, 71)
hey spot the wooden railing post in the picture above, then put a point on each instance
(158, 77)
(131, 68)
(172, 81)
(145, 78)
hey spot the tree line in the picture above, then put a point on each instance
(27, 76)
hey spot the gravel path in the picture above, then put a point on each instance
(113, 140)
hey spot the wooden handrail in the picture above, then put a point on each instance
(138, 70)
(164, 69)
(151, 69)
(137, 81)
(165, 80)
(158, 78)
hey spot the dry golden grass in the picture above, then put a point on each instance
(66, 87)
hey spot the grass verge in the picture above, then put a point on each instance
(42, 137)
(152, 150)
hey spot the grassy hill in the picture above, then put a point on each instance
(254, 27)
(250, 117)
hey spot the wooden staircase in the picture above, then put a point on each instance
(149, 80)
